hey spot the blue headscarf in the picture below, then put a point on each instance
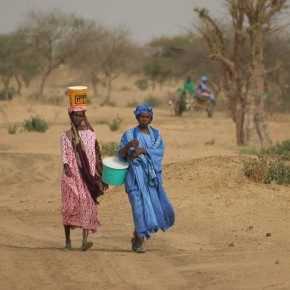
(143, 108)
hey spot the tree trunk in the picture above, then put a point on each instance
(262, 126)
(95, 89)
(42, 84)
(235, 105)
(153, 85)
(6, 82)
(254, 111)
(94, 82)
(109, 91)
(19, 85)
(249, 133)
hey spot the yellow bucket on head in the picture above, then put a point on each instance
(77, 96)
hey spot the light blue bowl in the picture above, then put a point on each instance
(114, 171)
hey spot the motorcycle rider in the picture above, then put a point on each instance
(204, 90)
(189, 86)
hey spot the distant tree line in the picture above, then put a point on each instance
(246, 58)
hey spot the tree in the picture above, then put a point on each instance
(157, 69)
(15, 61)
(164, 61)
(104, 55)
(7, 66)
(115, 55)
(251, 21)
(87, 60)
(55, 37)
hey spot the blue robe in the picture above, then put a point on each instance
(151, 207)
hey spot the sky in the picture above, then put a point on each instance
(146, 19)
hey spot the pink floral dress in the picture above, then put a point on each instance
(78, 208)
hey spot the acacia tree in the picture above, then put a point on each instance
(8, 54)
(115, 55)
(15, 62)
(104, 55)
(251, 21)
(55, 37)
(87, 60)
(165, 59)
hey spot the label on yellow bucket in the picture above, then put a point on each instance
(77, 95)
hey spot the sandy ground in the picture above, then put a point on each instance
(219, 240)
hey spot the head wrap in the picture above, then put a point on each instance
(203, 78)
(77, 109)
(143, 108)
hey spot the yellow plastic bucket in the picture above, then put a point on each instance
(77, 96)
(114, 171)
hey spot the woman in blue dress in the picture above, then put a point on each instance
(143, 148)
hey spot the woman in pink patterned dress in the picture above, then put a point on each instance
(81, 182)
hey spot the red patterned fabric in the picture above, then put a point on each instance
(78, 208)
(77, 109)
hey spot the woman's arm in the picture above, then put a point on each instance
(123, 152)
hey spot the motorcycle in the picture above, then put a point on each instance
(203, 102)
(180, 103)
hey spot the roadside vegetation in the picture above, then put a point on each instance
(271, 164)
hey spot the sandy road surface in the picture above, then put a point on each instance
(218, 241)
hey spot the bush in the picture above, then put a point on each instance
(12, 129)
(282, 151)
(132, 104)
(35, 124)
(115, 124)
(109, 149)
(9, 96)
(153, 101)
(124, 89)
(142, 84)
(263, 170)
(256, 169)
(249, 151)
(102, 122)
(209, 142)
(109, 104)
(55, 100)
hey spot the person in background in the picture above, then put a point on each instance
(189, 86)
(143, 147)
(204, 90)
(81, 182)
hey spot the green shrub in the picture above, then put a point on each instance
(115, 124)
(278, 171)
(109, 149)
(280, 150)
(124, 89)
(256, 169)
(266, 171)
(153, 101)
(55, 100)
(249, 150)
(142, 84)
(35, 124)
(102, 122)
(12, 129)
(209, 142)
(109, 104)
(132, 104)
(10, 94)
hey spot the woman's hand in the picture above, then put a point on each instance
(105, 186)
(123, 152)
(67, 170)
(133, 143)
(136, 152)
